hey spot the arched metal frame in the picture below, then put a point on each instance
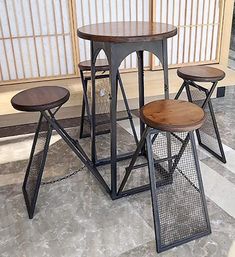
(116, 53)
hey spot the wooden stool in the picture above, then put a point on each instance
(100, 66)
(208, 135)
(47, 101)
(178, 200)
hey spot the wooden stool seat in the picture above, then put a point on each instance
(200, 73)
(172, 115)
(40, 98)
(100, 65)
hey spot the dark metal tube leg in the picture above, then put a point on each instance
(202, 139)
(167, 95)
(201, 188)
(77, 150)
(209, 94)
(153, 188)
(85, 105)
(140, 55)
(113, 127)
(222, 157)
(93, 107)
(180, 91)
(165, 68)
(127, 108)
(133, 160)
(181, 151)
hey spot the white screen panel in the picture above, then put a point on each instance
(111, 10)
(35, 39)
(198, 29)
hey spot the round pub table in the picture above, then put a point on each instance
(118, 40)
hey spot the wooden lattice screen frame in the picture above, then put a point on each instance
(224, 22)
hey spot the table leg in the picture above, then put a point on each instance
(93, 112)
(113, 128)
(167, 96)
(140, 55)
(165, 68)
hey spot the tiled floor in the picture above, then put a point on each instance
(76, 218)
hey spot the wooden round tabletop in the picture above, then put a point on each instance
(129, 31)
(40, 98)
(172, 115)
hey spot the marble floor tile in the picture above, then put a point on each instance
(220, 168)
(219, 243)
(83, 222)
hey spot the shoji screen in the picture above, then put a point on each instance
(93, 11)
(38, 37)
(35, 39)
(198, 22)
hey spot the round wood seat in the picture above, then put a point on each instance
(200, 73)
(172, 115)
(40, 98)
(100, 65)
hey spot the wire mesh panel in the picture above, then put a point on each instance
(102, 95)
(102, 107)
(36, 165)
(180, 210)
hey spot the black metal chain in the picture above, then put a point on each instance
(62, 178)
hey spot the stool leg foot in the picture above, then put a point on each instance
(35, 168)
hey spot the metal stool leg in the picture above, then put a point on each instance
(85, 106)
(127, 108)
(133, 160)
(202, 142)
(179, 209)
(208, 135)
(210, 128)
(76, 147)
(35, 167)
(180, 90)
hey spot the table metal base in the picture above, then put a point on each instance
(116, 53)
